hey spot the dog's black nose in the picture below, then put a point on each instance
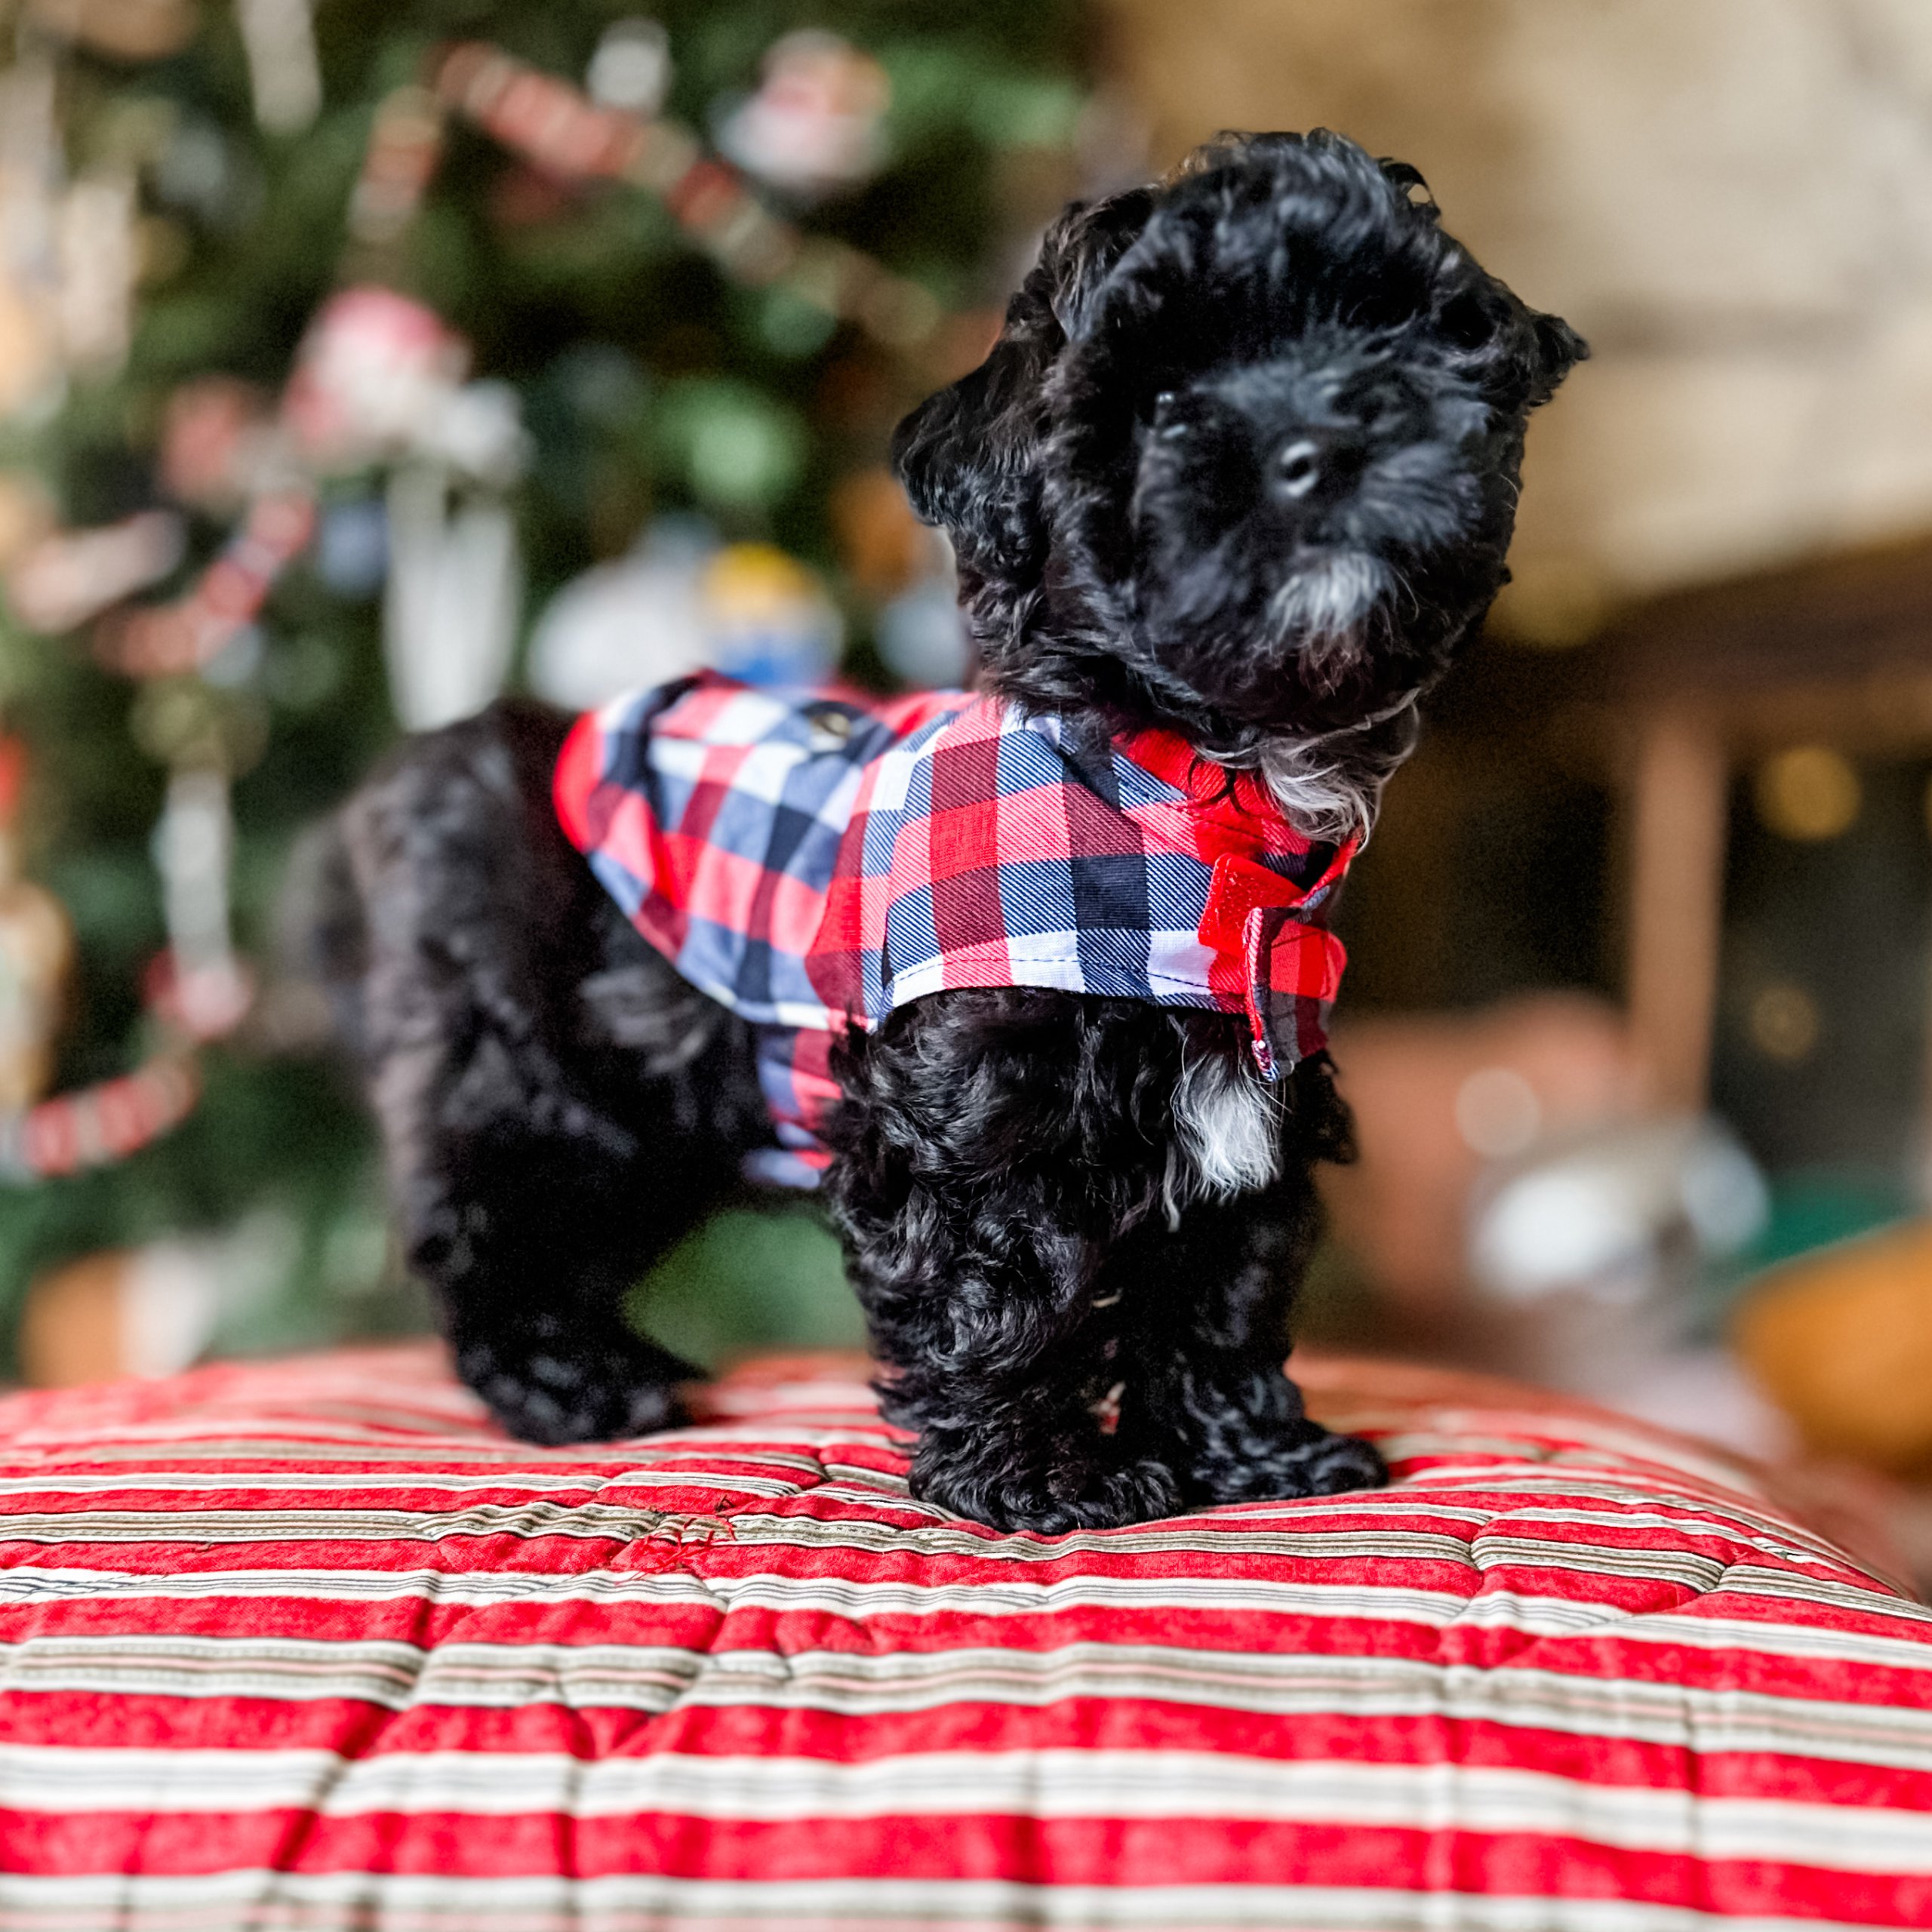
(1313, 463)
(1298, 469)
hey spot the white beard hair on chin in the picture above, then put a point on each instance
(1330, 600)
(1330, 786)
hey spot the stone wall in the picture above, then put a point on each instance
(1732, 198)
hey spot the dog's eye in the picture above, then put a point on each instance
(1468, 321)
(1384, 306)
(1167, 426)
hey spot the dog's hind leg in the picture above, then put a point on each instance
(557, 1105)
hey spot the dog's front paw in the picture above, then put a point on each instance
(1048, 1501)
(557, 1386)
(1304, 1459)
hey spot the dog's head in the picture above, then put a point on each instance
(1245, 455)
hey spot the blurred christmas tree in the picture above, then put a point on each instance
(333, 346)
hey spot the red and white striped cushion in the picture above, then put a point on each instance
(310, 1645)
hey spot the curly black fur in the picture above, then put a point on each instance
(557, 1105)
(1245, 459)
(1244, 463)
(1004, 1189)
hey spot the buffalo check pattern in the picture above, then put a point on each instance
(312, 1645)
(815, 860)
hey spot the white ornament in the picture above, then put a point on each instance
(286, 77)
(478, 430)
(194, 846)
(622, 626)
(169, 1305)
(98, 265)
(1602, 1215)
(455, 589)
(631, 69)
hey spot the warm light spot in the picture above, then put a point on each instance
(1784, 1022)
(1809, 793)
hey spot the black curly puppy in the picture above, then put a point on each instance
(1243, 466)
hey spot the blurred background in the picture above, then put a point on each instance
(357, 362)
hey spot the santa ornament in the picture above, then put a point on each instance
(380, 378)
(814, 126)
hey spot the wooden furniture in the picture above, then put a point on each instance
(1695, 686)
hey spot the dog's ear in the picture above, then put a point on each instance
(1407, 180)
(1558, 350)
(969, 456)
(1523, 354)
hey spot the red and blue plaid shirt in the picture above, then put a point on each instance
(814, 859)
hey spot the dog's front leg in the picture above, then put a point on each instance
(1205, 1330)
(981, 1316)
(988, 1163)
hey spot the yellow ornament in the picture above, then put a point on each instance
(768, 617)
